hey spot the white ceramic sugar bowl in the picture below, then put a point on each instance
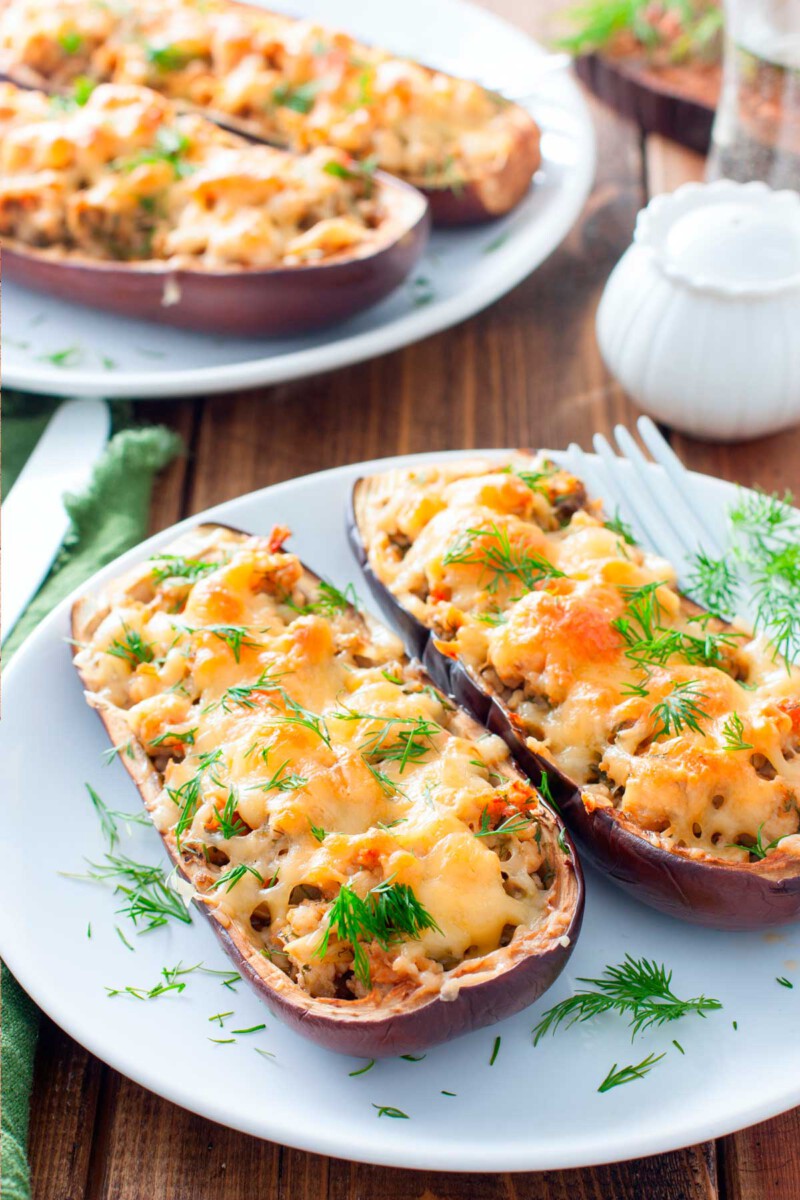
(700, 319)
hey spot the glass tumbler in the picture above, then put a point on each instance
(756, 132)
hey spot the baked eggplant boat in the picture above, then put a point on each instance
(369, 856)
(118, 200)
(292, 83)
(680, 733)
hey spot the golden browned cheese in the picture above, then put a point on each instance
(297, 754)
(299, 84)
(123, 175)
(519, 576)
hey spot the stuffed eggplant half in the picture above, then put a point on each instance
(680, 732)
(292, 83)
(118, 200)
(371, 859)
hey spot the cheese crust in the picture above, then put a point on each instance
(290, 82)
(520, 577)
(125, 176)
(293, 752)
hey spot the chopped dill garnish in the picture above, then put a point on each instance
(620, 528)
(132, 648)
(235, 637)
(680, 709)
(387, 1110)
(279, 782)
(492, 550)
(627, 1074)
(241, 695)
(636, 988)
(714, 584)
(389, 913)
(109, 817)
(495, 1051)
(363, 1070)
(330, 601)
(733, 733)
(148, 895)
(180, 569)
(232, 877)
(316, 831)
(758, 850)
(186, 738)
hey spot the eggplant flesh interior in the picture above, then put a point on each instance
(371, 858)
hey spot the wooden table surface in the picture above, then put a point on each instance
(526, 372)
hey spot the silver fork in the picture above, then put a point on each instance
(663, 514)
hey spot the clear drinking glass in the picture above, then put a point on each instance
(757, 128)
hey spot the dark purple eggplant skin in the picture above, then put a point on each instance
(246, 301)
(636, 95)
(413, 1030)
(715, 893)
(347, 1027)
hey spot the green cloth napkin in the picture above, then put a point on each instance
(109, 517)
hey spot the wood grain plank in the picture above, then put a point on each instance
(63, 1107)
(686, 1175)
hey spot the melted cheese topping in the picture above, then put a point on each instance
(296, 83)
(519, 576)
(124, 176)
(299, 753)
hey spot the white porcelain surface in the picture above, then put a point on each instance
(462, 271)
(534, 1109)
(700, 319)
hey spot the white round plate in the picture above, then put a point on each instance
(535, 1108)
(53, 347)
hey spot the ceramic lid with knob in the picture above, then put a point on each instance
(700, 320)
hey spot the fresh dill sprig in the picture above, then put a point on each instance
(180, 569)
(733, 733)
(410, 745)
(148, 894)
(237, 873)
(235, 637)
(389, 913)
(636, 988)
(516, 823)
(317, 832)
(388, 1110)
(758, 850)
(620, 528)
(279, 782)
(330, 601)
(492, 550)
(187, 796)
(679, 710)
(648, 643)
(627, 1074)
(241, 695)
(131, 648)
(230, 823)
(535, 480)
(362, 1070)
(109, 817)
(186, 738)
(767, 545)
(713, 582)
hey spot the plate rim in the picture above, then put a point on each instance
(408, 329)
(381, 1149)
